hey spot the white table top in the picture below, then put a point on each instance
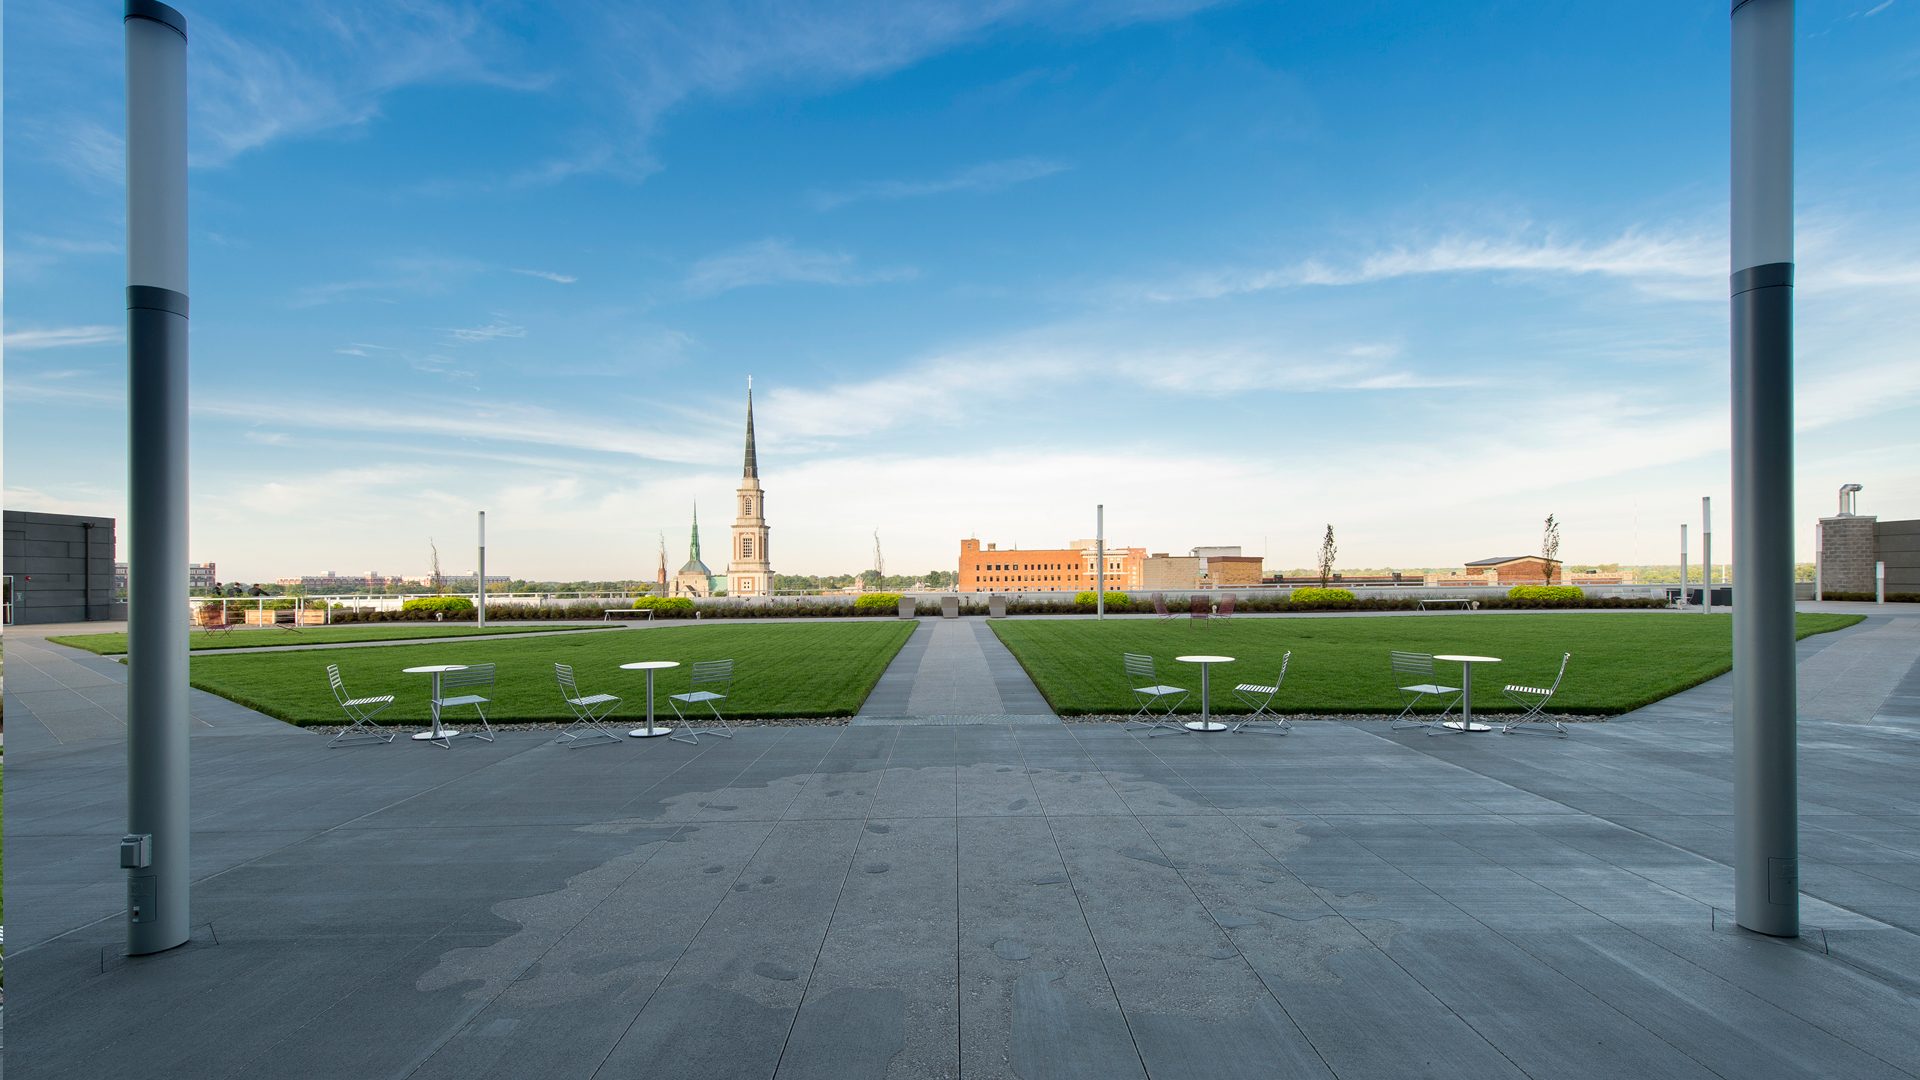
(1204, 659)
(433, 669)
(650, 665)
(1470, 659)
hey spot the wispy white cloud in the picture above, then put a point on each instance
(83, 147)
(549, 275)
(411, 275)
(775, 261)
(59, 337)
(248, 91)
(984, 177)
(493, 331)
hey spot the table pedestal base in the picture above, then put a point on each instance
(1205, 725)
(644, 733)
(1465, 725)
(434, 736)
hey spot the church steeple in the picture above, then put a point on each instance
(753, 466)
(693, 546)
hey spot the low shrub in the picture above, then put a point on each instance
(665, 607)
(1868, 598)
(1116, 601)
(1554, 593)
(876, 603)
(1320, 599)
(457, 606)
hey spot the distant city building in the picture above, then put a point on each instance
(1205, 567)
(331, 582)
(1068, 569)
(201, 577)
(749, 571)
(1506, 570)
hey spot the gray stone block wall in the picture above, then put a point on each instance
(62, 569)
(1899, 548)
(1848, 550)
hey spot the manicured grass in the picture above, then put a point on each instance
(268, 637)
(781, 670)
(1621, 660)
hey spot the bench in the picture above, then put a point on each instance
(607, 614)
(1449, 601)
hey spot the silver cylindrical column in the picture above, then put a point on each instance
(1683, 565)
(1706, 554)
(1766, 847)
(155, 851)
(480, 587)
(1100, 561)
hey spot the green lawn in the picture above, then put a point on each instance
(1621, 660)
(261, 637)
(781, 670)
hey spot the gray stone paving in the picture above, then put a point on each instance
(949, 671)
(963, 900)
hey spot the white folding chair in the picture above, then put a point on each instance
(360, 713)
(1534, 700)
(476, 676)
(589, 710)
(1140, 668)
(707, 673)
(1259, 698)
(1413, 676)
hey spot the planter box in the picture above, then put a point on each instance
(256, 617)
(949, 607)
(908, 607)
(996, 607)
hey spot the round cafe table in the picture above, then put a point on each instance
(1206, 721)
(1465, 723)
(650, 666)
(441, 735)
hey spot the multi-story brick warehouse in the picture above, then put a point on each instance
(1068, 569)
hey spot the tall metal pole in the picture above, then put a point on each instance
(1683, 565)
(1100, 561)
(1706, 554)
(155, 849)
(1766, 841)
(480, 608)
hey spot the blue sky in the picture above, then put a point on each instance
(1427, 272)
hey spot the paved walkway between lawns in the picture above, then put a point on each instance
(954, 671)
(1065, 901)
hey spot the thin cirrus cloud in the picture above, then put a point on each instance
(985, 177)
(549, 275)
(1671, 264)
(776, 261)
(60, 337)
(494, 331)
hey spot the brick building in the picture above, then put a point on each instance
(985, 568)
(1515, 570)
(1205, 568)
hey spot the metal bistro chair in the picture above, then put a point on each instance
(1199, 608)
(1140, 668)
(1534, 700)
(713, 673)
(476, 676)
(1227, 601)
(1413, 676)
(1160, 606)
(1260, 698)
(360, 713)
(589, 711)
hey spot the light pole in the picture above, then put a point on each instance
(480, 610)
(1706, 554)
(1766, 841)
(1683, 564)
(1100, 561)
(155, 849)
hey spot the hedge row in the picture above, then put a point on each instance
(1868, 598)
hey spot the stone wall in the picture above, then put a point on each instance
(1847, 553)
